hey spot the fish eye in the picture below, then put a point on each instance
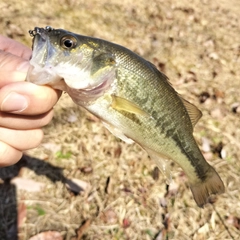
(68, 42)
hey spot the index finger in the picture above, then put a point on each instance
(12, 68)
(14, 47)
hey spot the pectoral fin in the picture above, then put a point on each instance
(162, 163)
(123, 104)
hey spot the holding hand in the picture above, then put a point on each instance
(24, 107)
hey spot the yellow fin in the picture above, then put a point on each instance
(194, 113)
(162, 163)
(119, 103)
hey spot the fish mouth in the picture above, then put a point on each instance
(41, 71)
(40, 31)
(41, 44)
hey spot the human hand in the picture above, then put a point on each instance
(24, 107)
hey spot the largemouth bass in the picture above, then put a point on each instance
(133, 99)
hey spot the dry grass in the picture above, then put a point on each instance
(196, 43)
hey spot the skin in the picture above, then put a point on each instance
(22, 112)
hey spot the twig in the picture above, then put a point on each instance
(221, 219)
(80, 231)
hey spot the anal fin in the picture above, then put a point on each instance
(162, 163)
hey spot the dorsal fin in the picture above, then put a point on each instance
(193, 112)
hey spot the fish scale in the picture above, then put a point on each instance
(133, 99)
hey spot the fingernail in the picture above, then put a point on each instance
(14, 102)
(23, 67)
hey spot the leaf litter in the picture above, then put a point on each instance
(197, 46)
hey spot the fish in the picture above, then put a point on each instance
(134, 100)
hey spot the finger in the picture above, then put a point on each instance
(21, 139)
(7, 77)
(8, 155)
(10, 62)
(27, 98)
(12, 68)
(14, 47)
(23, 122)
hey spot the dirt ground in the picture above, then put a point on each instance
(197, 45)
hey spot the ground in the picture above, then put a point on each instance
(197, 45)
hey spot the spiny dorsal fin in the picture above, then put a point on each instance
(193, 112)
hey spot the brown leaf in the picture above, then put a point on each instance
(217, 113)
(236, 107)
(218, 149)
(27, 184)
(163, 202)
(173, 189)
(77, 185)
(83, 229)
(126, 223)
(86, 169)
(214, 56)
(206, 144)
(218, 93)
(190, 77)
(162, 235)
(52, 147)
(49, 235)
(203, 97)
(109, 216)
(117, 151)
(155, 173)
(235, 221)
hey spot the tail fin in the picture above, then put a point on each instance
(211, 185)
